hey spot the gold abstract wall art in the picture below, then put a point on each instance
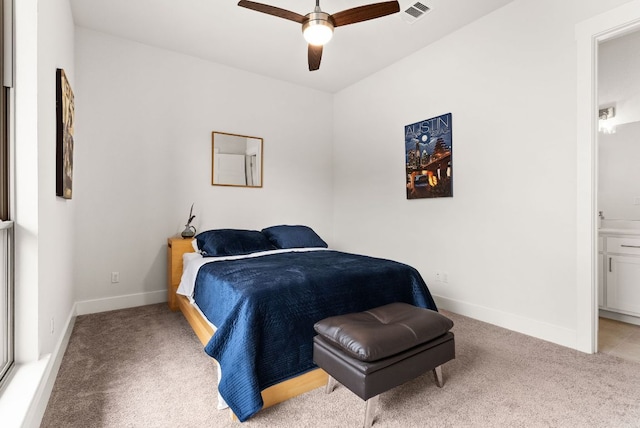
(64, 135)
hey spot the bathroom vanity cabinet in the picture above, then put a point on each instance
(619, 275)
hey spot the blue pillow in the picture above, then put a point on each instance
(232, 242)
(293, 237)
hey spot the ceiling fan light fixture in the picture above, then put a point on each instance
(318, 29)
(317, 26)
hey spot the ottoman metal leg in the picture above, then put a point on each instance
(370, 411)
(331, 385)
(437, 373)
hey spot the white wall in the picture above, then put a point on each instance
(507, 238)
(618, 83)
(144, 118)
(56, 216)
(619, 86)
(618, 173)
(44, 224)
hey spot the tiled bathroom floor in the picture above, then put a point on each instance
(619, 339)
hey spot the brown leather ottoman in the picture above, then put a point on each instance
(373, 351)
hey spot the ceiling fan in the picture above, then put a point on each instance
(317, 26)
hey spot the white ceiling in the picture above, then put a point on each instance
(222, 32)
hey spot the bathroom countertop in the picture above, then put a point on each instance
(616, 231)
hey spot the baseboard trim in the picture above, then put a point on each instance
(540, 330)
(38, 406)
(629, 319)
(120, 302)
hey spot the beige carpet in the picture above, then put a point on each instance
(144, 367)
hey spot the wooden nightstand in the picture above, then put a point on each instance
(176, 247)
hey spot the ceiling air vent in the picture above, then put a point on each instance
(415, 12)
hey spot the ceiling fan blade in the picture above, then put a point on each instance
(315, 55)
(365, 13)
(272, 10)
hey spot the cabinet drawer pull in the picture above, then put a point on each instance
(609, 264)
(630, 246)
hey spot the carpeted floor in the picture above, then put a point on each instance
(144, 367)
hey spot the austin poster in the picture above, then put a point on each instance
(429, 168)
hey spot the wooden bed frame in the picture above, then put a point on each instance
(176, 247)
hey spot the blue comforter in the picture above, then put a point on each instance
(265, 308)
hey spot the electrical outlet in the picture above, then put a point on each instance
(115, 277)
(438, 276)
(445, 277)
(52, 326)
(636, 200)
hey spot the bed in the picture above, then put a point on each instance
(264, 290)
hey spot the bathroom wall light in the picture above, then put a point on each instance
(606, 124)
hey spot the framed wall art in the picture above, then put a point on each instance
(64, 135)
(428, 148)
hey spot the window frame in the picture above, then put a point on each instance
(7, 291)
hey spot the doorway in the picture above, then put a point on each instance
(618, 195)
(609, 25)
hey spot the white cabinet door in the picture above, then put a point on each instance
(623, 284)
(601, 271)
